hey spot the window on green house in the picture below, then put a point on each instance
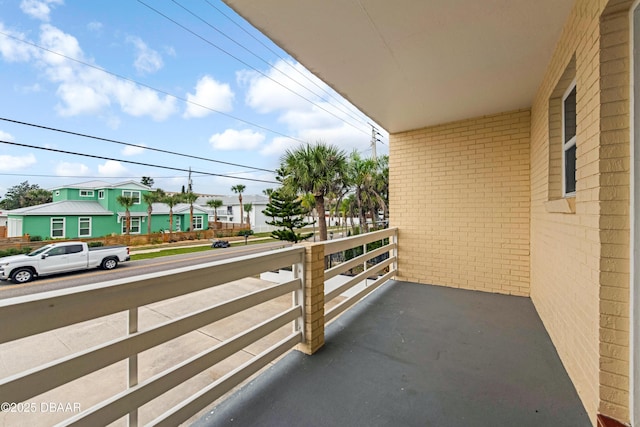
(197, 223)
(57, 228)
(134, 228)
(84, 227)
(86, 193)
(133, 194)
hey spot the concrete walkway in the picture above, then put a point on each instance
(417, 355)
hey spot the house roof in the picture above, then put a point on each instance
(255, 199)
(63, 207)
(410, 64)
(180, 208)
(95, 185)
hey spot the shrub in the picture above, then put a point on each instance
(35, 238)
(95, 244)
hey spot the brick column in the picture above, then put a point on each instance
(313, 298)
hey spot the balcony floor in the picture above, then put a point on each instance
(417, 355)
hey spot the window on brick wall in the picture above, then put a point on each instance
(561, 183)
(569, 141)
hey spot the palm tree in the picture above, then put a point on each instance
(171, 201)
(214, 204)
(248, 207)
(239, 189)
(126, 202)
(308, 201)
(317, 169)
(190, 197)
(361, 176)
(150, 199)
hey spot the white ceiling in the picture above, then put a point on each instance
(415, 63)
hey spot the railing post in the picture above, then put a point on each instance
(313, 298)
(132, 379)
(394, 252)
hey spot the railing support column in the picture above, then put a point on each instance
(313, 298)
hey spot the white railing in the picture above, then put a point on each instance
(381, 271)
(26, 316)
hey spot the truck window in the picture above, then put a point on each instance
(74, 249)
(56, 251)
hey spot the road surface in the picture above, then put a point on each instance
(131, 268)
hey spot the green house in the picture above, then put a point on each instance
(90, 209)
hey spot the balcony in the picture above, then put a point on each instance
(407, 354)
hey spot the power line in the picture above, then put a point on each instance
(134, 145)
(132, 162)
(247, 64)
(240, 45)
(179, 98)
(266, 46)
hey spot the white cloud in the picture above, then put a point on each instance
(209, 93)
(147, 59)
(39, 9)
(6, 136)
(71, 169)
(112, 168)
(84, 90)
(325, 118)
(232, 139)
(13, 50)
(132, 151)
(14, 163)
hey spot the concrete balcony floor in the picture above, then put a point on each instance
(416, 355)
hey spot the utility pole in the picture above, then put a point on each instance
(374, 140)
(190, 186)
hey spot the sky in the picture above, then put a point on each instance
(160, 78)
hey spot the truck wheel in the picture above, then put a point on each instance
(22, 275)
(109, 263)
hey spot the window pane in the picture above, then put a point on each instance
(570, 170)
(570, 115)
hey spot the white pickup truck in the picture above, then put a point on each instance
(60, 258)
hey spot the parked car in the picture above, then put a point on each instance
(220, 244)
(61, 258)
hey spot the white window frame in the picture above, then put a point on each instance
(133, 193)
(84, 218)
(176, 223)
(568, 144)
(197, 219)
(86, 193)
(132, 220)
(64, 227)
(100, 194)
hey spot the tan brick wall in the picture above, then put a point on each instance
(579, 261)
(460, 195)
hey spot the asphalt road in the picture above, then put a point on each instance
(132, 268)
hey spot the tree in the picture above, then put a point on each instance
(267, 192)
(150, 199)
(214, 204)
(308, 202)
(190, 197)
(126, 202)
(147, 180)
(317, 169)
(248, 207)
(23, 195)
(287, 212)
(239, 189)
(171, 201)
